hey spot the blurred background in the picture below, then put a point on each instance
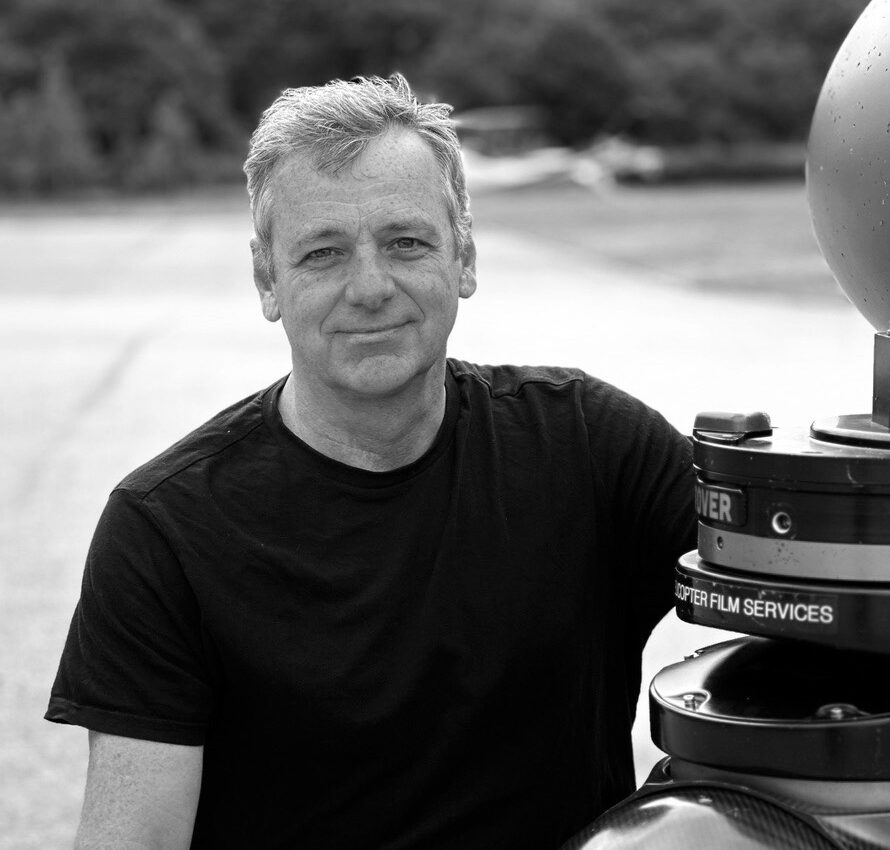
(637, 173)
(139, 94)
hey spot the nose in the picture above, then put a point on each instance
(370, 283)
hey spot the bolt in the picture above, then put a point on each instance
(692, 701)
(839, 711)
(781, 522)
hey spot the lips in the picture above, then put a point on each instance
(375, 330)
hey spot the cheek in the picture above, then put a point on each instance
(300, 320)
(441, 313)
(439, 290)
(307, 305)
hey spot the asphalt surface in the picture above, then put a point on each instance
(123, 325)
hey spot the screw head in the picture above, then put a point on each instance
(692, 700)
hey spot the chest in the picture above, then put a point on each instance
(359, 612)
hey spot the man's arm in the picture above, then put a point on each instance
(140, 795)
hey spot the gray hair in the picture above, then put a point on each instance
(333, 124)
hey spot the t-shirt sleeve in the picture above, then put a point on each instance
(643, 467)
(133, 664)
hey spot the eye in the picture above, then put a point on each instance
(320, 255)
(408, 245)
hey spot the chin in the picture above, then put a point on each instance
(379, 377)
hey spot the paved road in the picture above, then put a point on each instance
(122, 326)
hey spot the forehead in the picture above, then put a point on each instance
(396, 175)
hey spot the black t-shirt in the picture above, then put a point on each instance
(443, 655)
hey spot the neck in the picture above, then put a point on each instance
(373, 434)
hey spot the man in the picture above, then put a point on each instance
(394, 600)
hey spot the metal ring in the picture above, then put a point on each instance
(800, 558)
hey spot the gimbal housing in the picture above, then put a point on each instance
(782, 739)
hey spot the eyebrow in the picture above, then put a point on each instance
(409, 225)
(321, 232)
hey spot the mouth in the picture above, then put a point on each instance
(374, 332)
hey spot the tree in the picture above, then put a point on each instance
(164, 87)
(167, 157)
(44, 144)
(580, 74)
(269, 45)
(719, 70)
(124, 59)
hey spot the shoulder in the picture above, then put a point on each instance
(219, 436)
(571, 402)
(506, 380)
(594, 395)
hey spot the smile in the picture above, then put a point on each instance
(374, 332)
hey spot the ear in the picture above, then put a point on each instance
(264, 283)
(467, 284)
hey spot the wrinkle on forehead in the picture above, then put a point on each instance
(399, 153)
(315, 216)
(396, 177)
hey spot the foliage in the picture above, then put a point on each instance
(718, 70)
(159, 92)
(122, 63)
(579, 75)
(44, 144)
(269, 45)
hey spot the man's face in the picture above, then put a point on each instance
(366, 275)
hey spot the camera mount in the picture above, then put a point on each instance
(782, 738)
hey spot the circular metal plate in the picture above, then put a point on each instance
(857, 430)
(845, 616)
(793, 459)
(776, 707)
